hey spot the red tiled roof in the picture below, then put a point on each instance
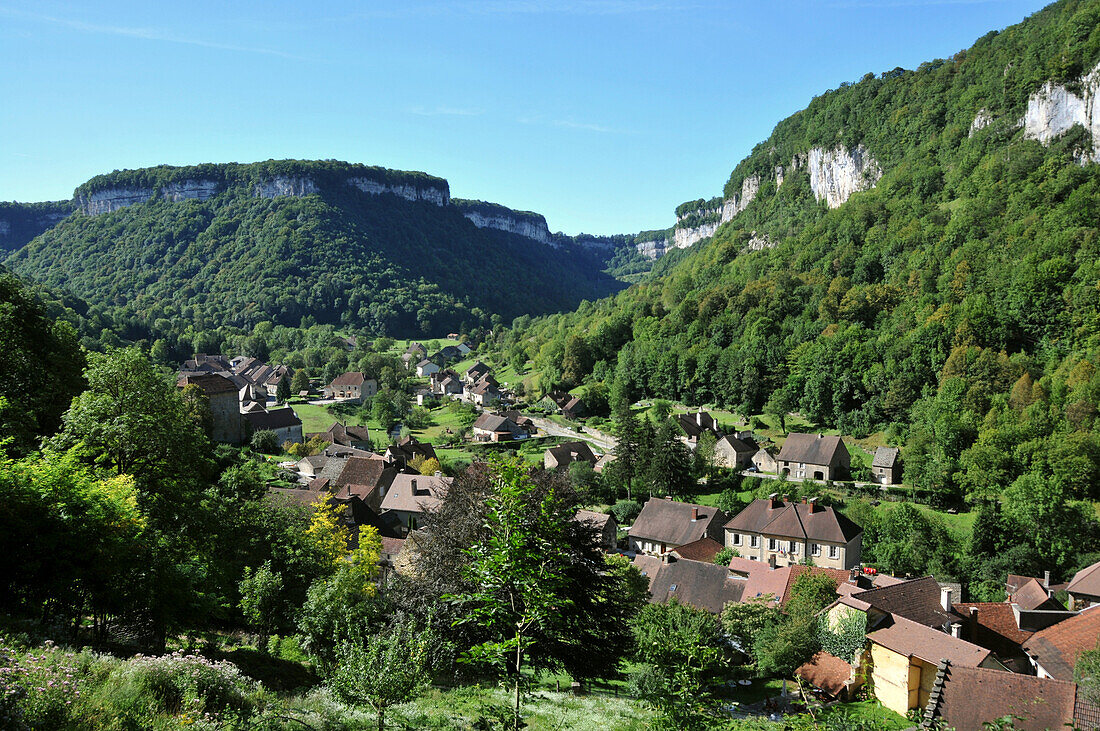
(917, 600)
(972, 697)
(1086, 581)
(825, 671)
(351, 378)
(996, 618)
(704, 549)
(909, 638)
(1057, 647)
(416, 493)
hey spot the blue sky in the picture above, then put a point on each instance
(601, 114)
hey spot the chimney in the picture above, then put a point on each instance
(775, 502)
(820, 436)
(438, 473)
(699, 417)
(813, 505)
(414, 484)
(803, 499)
(1046, 579)
(945, 598)
(668, 497)
(694, 514)
(955, 629)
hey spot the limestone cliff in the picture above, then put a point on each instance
(285, 185)
(440, 195)
(495, 216)
(837, 173)
(1054, 109)
(21, 222)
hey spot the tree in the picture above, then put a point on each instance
(680, 647)
(743, 621)
(282, 391)
(327, 531)
(386, 669)
(811, 592)
(429, 466)
(669, 471)
(1086, 673)
(262, 601)
(265, 441)
(41, 361)
(300, 381)
(518, 575)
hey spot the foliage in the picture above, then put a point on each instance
(811, 592)
(625, 511)
(847, 638)
(744, 621)
(265, 441)
(327, 531)
(1086, 673)
(386, 669)
(680, 648)
(41, 362)
(723, 557)
(340, 256)
(262, 600)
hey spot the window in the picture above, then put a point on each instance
(773, 545)
(754, 541)
(794, 547)
(833, 552)
(815, 548)
(801, 465)
(736, 539)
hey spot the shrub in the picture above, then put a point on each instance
(179, 684)
(625, 511)
(265, 441)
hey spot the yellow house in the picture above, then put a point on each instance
(903, 659)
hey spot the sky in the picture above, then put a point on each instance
(603, 115)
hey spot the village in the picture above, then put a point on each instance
(918, 649)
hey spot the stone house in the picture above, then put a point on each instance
(495, 428)
(225, 412)
(563, 455)
(814, 457)
(664, 525)
(764, 461)
(695, 425)
(426, 368)
(886, 466)
(1084, 588)
(605, 525)
(352, 386)
(781, 533)
(284, 422)
(733, 452)
(409, 497)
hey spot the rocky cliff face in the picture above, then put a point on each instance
(279, 186)
(653, 249)
(439, 195)
(1054, 109)
(111, 199)
(529, 226)
(750, 186)
(837, 173)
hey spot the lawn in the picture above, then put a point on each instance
(868, 712)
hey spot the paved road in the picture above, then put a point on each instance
(603, 443)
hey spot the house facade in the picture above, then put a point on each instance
(886, 466)
(781, 533)
(352, 386)
(664, 525)
(563, 455)
(284, 422)
(814, 457)
(733, 452)
(225, 411)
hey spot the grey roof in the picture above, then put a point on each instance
(810, 448)
(802, 521)
(885, 457)
(667, 521)
(570, 452)
(700, 584)
(494, 423)
(917, 600)
(415, 493)
(274, 419)
(737, 445)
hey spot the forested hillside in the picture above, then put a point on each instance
(21, 222)
(234, 245)
(955, 305)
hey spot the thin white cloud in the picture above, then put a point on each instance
(531, 7)
(146, 34)
(909, 3)
(570, 124)
(446, 111)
